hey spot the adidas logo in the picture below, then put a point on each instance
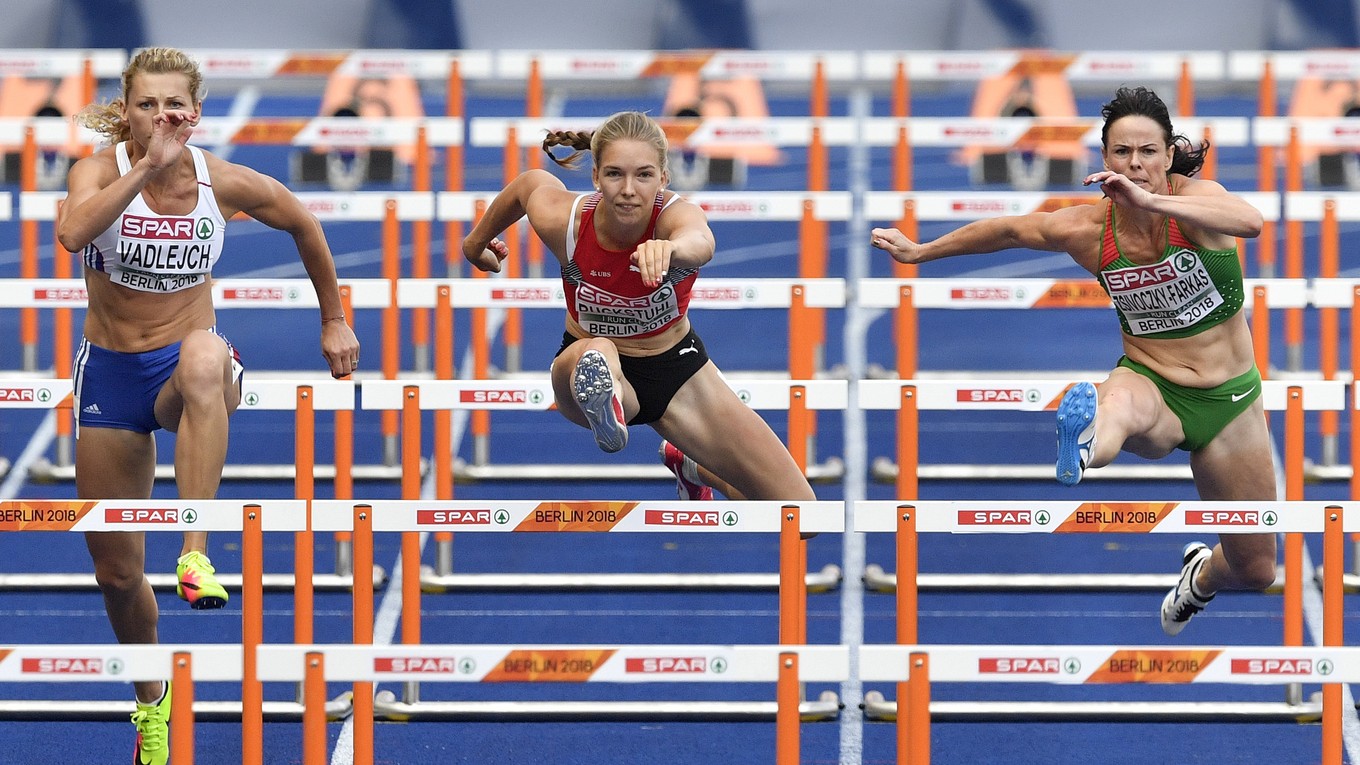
(92, 409)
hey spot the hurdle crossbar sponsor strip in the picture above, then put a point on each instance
(1145, 517)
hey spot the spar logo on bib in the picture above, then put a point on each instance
(205, 228)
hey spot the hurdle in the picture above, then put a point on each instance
(786, 666)
(917, 666)
(69, 663)
(910, 397)
(801, 298)
(251, 519)
(410, 517)
(1292, 518)
(305, 397)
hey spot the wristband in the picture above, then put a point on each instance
(341, 317)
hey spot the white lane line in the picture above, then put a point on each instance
(33, 451)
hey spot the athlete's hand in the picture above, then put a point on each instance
(486, 258)
(1120, 189)
(170, 131)
(652, 259)
(340, 347)
(896, 244)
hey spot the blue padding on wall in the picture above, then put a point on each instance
(705, 24)
(1331, 23)
(1018, 18)
(101, 24)
(417, 24)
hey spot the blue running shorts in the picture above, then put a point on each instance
(118, 390)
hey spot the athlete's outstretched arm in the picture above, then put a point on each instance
(1049, 231)
(481, 246)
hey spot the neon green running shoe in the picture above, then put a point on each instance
(153, 732)
(198, 582)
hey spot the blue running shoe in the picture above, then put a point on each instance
(1076, 432)
(599, 399)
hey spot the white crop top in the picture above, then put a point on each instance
(144, 250)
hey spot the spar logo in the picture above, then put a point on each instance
(472, 517)
(521, 293)
(273, 294)
(1020, 665)
(674, 665)
(159, 228)
(167, 516)
(24, 395)
(1140, 276)
(1002, 518)
(500, 396)
(681, 518)
(725, 294)
(1230, 518)
(205, 228)
(64, 666)
(984, 293)
(61, 294)
(995, 395)
(429, 665)
(1284, 666)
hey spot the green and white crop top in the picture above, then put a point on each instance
(1187, 291)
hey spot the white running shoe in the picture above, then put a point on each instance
(1076, 432)
(1182, 603)
(688, 484)
(599, 399)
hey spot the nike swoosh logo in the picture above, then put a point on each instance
(1239, 396)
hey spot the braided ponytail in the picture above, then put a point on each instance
(633, 126)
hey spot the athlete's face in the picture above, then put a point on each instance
(628, 175)
(152, 94)
(1135, 147)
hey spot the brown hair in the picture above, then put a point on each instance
(107, 118)
(634, 126)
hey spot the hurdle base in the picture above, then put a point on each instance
(826, 580)
(117, 711)
(833, 469)
(43, 471)
(385, 706)
(167, 582)
(878, 580)
(878, 709)
(884, 470)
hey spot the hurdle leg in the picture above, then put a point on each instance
(787, 719)
(182, 710)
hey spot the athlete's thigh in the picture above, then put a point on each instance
(1237, 463)
(1150, 429)
(112, 463)
(709, 423)
(205, 362)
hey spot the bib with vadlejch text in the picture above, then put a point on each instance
(149, 252)
(1166, 296)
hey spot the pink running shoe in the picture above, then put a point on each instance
(688, 485)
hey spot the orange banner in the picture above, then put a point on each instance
(576, 516)
(1169, 666)
(1076, 293)
(1116, 517)
(319, 65)
(669, 64)
(42, 516)
(554, 666)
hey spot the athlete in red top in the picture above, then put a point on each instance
(629, 254)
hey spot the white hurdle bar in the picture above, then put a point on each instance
(908, 519)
